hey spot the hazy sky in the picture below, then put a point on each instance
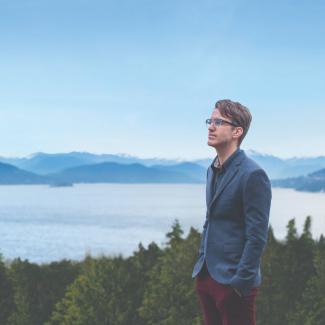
(141, 76)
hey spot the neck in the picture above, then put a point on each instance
(225, 152)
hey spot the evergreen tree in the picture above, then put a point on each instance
(270, 296)
(297, 268)
(37, 288)
(6, 295)
(286, 269)
(25, 277)
(311, 309)
(108, 292)
(175, 235)
(170, 296)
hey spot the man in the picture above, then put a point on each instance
(238, 195)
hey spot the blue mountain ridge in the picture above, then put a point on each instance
(82, 167)
(131, 173)
(277, 168)
(11, 175)
(106, 172)
(314, 182)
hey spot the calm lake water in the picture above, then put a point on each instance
(44, 224)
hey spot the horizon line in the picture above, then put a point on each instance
(126, 155)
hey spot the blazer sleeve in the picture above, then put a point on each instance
(257, 197)
(201, 250)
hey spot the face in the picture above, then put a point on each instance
(222, 136)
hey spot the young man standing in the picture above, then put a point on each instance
(238, 195)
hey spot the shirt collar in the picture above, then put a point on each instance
(216, 166)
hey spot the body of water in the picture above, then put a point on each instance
(44, 223)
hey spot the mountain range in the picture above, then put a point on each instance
(110, 172)
(106, 172)
(12, 175)
(314, 182)
(44, 163)
(75, 167)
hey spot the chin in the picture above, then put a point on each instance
(211, 143)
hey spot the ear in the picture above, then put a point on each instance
(237, 132)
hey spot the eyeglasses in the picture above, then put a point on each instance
(218, 122)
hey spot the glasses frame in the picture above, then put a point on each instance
(218, 122)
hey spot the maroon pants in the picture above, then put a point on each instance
(221, 305)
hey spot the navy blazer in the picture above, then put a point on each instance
(236, 226)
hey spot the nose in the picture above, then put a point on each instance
(211, 127)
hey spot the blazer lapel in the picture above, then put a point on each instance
(225, 180)
(209, 186)
(228, 177)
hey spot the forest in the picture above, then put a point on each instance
(154, 286)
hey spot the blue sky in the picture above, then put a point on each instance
(140, 77)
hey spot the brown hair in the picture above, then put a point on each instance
(238, 113)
